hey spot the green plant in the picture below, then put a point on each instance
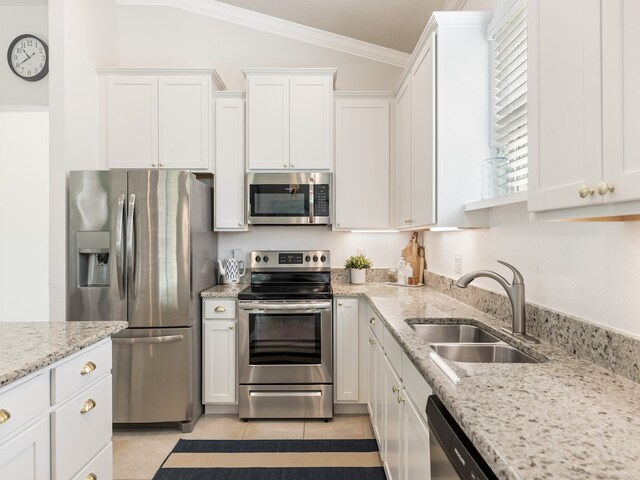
(357, 261)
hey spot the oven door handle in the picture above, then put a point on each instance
(285, 306)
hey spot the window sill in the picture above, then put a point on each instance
(519, 197)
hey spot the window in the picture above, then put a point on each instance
(508, 36)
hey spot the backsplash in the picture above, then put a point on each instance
(343, 275)
(613, 350)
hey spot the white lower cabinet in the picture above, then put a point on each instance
(27, 454)
(219, 369)
(346, 349)
(415, 443)
(100, 467)
(391, 393)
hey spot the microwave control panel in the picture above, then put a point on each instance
(321, 201)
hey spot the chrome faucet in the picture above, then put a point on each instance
(515, 292)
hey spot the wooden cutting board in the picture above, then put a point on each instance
(413, 254)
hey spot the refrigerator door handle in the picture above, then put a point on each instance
(163, 339)
(119, 249)
(131, 244)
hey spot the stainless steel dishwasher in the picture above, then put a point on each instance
(453, 456)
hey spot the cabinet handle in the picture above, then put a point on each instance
(88, 406)
(372, 321)
(220, 309)
(153, 164)
(4, 416)
(239, 224)
(372, 341)
(292, 165)
(339, 304)
(285, 165)
(400, 399)
(162, 164)
(585, 191)
(604, 188)
(88, 368)
(91, 476)
(395, 389)
(231, 327)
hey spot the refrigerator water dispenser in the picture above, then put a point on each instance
(93, 259)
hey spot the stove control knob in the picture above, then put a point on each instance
(323, 259)
(258, 258)
(265, 259)
(307, 258)
(315, 258)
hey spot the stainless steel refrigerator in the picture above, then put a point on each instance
(141, 248)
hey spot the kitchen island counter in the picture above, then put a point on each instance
(564, 418)
(26, 347)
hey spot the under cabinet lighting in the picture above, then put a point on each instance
(375, 231)
(445, 229)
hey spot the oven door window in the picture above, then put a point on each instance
(284, 339)
(279, 200)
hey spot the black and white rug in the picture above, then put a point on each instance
(273, 460)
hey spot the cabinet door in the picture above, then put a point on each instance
(346, 344)
(564, 103)
(403, 156)
(423, 138)
(362, 152)
(229, 164)
(184, 122)
(375, 382)
(268, 122)
(132, 121)
(311, 116)
(621, 98)
(392, 422)
(415, 444)
(219, 371)
(378, 420)
(27, 455)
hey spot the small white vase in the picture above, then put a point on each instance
(358, 275)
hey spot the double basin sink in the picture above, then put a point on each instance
(467, 343)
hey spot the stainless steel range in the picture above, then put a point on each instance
(285, 348)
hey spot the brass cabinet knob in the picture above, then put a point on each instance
(372, 321)
(153, 164)
(239, 224)
(400, 399)
(372, 341)
(4, 416)
(162, 164)
(88, 368)
(285, 165)
(91, 476)
(292, 165)
(231, 327)
(339, 304)
(604, 188)
(220, 309)
(88, 406)
(395, 389)
(585, 191)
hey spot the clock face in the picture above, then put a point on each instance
(28, 57)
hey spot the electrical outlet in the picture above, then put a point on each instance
(457, 263)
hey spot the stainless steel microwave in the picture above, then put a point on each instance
(301, 198)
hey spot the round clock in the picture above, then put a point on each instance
(28, 58)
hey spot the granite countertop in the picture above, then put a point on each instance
(29, 346)
(221, 291)
(564, 418)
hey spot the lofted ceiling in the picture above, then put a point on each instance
(395, 24)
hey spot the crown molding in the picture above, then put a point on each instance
(171, 71)
(278, 26)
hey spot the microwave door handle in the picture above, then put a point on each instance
(119, 246)
(311, 195)
(131, 244)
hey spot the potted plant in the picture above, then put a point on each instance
(358, 265)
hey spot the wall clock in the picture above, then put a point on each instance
(28, 58)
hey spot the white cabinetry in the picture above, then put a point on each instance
(416, 462)
(56, 423)
(393, 419)
(346, 345)
(219, 382)
(229, 162)
(362, 163)
(155, 118)
(583, 107)
(442, 123)
(289, 119)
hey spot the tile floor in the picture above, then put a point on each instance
(137, 454)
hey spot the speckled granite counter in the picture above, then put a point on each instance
(565, 418)
(220, 291)
(29, 346)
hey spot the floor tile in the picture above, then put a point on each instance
(218, 427)
(367, 429)
(273, 430)
(341, 427)
(138, 455)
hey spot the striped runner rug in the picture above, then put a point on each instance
(273, 460)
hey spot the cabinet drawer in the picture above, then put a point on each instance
(20, 404)
(393, 352)
(100, 467)
(79, 371)
(375, 324)
(219, 308)
(416, 386)
(81, 429)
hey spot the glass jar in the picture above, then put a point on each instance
(495, 177)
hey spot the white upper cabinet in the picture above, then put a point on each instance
(362, 163)
(442, 123)
(229, 163)
(156, 118)
(584, 108)
(289, 119)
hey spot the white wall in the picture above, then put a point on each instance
(590, 270)
(16, 20)
(24, 209)
(382, 248)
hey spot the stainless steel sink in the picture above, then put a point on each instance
(452, 333)
(482, 353)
